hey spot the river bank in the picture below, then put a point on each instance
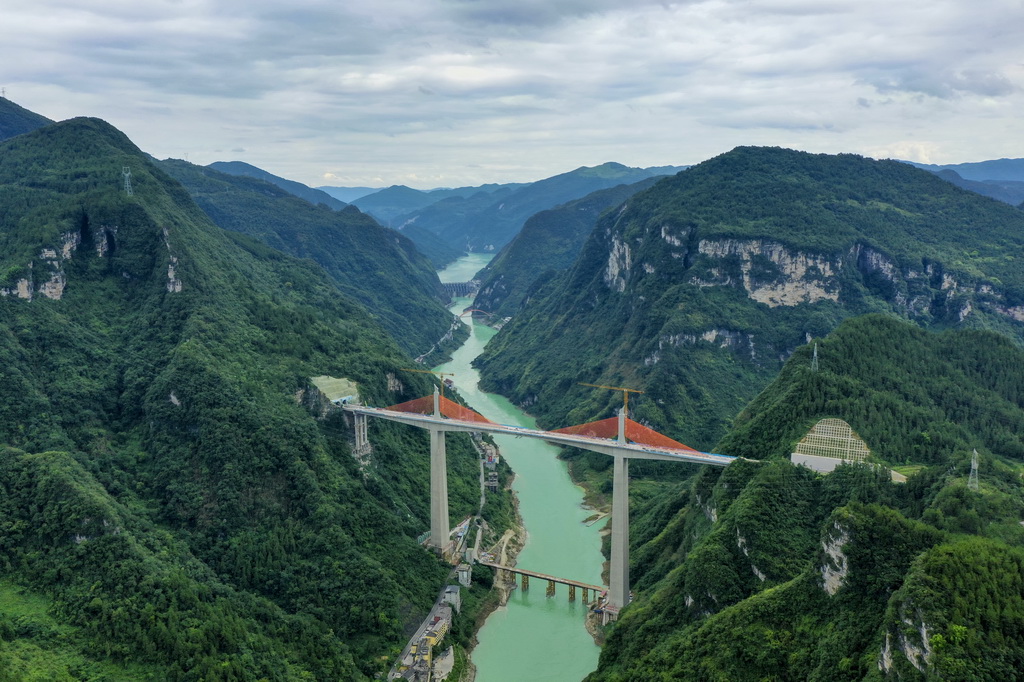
(532, 636)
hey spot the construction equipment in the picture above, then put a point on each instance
(625, 392)
(444, 382)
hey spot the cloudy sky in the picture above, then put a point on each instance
(435, 93)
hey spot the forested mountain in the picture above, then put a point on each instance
(313, 196)
(549, 242)
(389, 203)
(765, 570)
(980, 171)
(482, 223)
(15, 120)
(176, 500)
(697, 289)
(375, 265)
(440, 252)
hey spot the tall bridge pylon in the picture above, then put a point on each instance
(619, 437)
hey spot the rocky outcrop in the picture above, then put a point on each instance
(769, 272)
(49, 264)
(834, 566)
(913, 641)
(173, 281)
(619, 262)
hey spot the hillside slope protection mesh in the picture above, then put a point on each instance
(635, 433)
(449, 408)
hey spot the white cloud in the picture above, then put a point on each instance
(453, 92)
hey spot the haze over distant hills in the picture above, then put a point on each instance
(548, 243)
(348, 194)
(389, 203)
(996, 169)
(16, 120)
(488, 221)
(1001, 179)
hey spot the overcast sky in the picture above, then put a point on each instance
(435, 93)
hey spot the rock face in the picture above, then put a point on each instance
(834, 566)
(45, 273)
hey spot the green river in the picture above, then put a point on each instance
(534, 637)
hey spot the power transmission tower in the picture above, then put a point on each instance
(972, 480)
(127, 173)
(814, 360)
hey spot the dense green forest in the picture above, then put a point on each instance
(700, 287)
(764, 570)
(176, 501)
(549, 242)
(372, 264)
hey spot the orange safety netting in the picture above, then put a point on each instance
(449, 409)
(635, 432)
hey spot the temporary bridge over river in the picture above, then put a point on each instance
(620, 438)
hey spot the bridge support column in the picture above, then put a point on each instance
(439, 531)
(618, 583)
(586, 596)
(362, 446)
(551, 588)
(526, 582)
(572, 593)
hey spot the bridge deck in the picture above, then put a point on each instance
(605, 445)
(545, 576)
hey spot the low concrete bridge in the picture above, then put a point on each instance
(552, 581)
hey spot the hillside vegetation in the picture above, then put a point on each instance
(176, 501)
(697, 289)
(764, 570)
(374, 265)
(486, 221)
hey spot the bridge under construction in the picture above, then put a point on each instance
(618, 437)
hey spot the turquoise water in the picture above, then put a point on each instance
(534, 637)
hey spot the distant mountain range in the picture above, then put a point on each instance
(548, 243)
(980, 171)
(1001, 179)
(486, 221)
(313, 196)
(348, 194)
(391, 202)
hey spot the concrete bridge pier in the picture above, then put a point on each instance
(439, 531)
(362, 446)
(618, 571)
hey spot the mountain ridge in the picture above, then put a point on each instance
(728, 266)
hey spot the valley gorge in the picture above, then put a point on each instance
(180, 499)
